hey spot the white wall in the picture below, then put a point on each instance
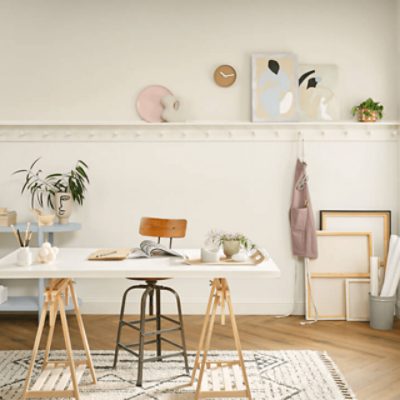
(88, 60)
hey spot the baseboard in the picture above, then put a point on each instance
(112, 306)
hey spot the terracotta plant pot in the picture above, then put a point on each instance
(231, 247)
(367, 115)
(63, 206)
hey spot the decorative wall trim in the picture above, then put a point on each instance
(197, 132)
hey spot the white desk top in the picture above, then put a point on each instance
(73, 263)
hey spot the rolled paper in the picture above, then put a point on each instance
(392, 245)
(393, 261)
(395, 281)
(381, 276)
(374, 275)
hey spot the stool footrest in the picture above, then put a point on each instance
(160, 331)
(172, 343)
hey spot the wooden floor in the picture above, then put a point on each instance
(369, 359)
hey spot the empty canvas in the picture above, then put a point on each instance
(328, 295)
(378, 223)
(342, 253)
(357, 299)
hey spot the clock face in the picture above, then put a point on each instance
(225, 75)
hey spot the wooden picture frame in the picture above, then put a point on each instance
(328, 295)
(376, 222)
(357, 299)
(342, 254)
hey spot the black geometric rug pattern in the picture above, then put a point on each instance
(275, 375)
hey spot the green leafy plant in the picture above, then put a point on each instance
(368, 108)
(217, 239)
(43, 188)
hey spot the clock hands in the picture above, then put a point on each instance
(226, 75)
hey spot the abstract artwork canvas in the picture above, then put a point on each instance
(318, 99)
(274, 87)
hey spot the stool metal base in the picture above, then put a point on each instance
(150, 289)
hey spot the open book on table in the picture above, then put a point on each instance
(148, 249)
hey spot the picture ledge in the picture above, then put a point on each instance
(213, 131)
(143, 124)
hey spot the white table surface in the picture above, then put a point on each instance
(73, 263)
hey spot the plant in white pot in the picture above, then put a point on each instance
(57, 191)
(231, 243)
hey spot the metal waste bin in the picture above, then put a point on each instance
(381, 311)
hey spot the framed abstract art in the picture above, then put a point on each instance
(274, 87)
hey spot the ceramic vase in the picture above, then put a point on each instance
(43, 218)
(231, 247)
(63, 206)
(24, 257)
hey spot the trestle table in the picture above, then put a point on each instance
(60, 378)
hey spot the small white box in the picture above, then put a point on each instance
(3, 294)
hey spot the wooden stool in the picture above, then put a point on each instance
(59, 378)
(219, 378)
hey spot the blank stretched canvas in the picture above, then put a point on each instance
(376, 222)
(342, 253)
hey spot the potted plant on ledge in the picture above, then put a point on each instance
(368, 111)
(57, 191)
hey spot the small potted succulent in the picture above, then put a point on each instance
(231, 243)
(56, 191)
(368, 111)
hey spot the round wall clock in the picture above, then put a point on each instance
(225, 75)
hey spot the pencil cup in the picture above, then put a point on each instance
(24, 257)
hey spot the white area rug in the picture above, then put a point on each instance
(275, 375)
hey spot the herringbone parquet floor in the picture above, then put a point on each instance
(369, 359)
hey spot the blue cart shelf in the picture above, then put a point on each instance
(44, 233)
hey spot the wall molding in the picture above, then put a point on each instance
(197, 131)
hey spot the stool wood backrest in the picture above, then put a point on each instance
(163, 228)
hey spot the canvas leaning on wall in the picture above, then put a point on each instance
(274, 87)
(318, 86)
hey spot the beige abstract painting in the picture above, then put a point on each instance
(274, 87)
(318, 99)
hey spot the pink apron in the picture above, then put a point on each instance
(303, 233)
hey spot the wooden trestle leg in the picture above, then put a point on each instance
(219, 378)
(59, 378)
